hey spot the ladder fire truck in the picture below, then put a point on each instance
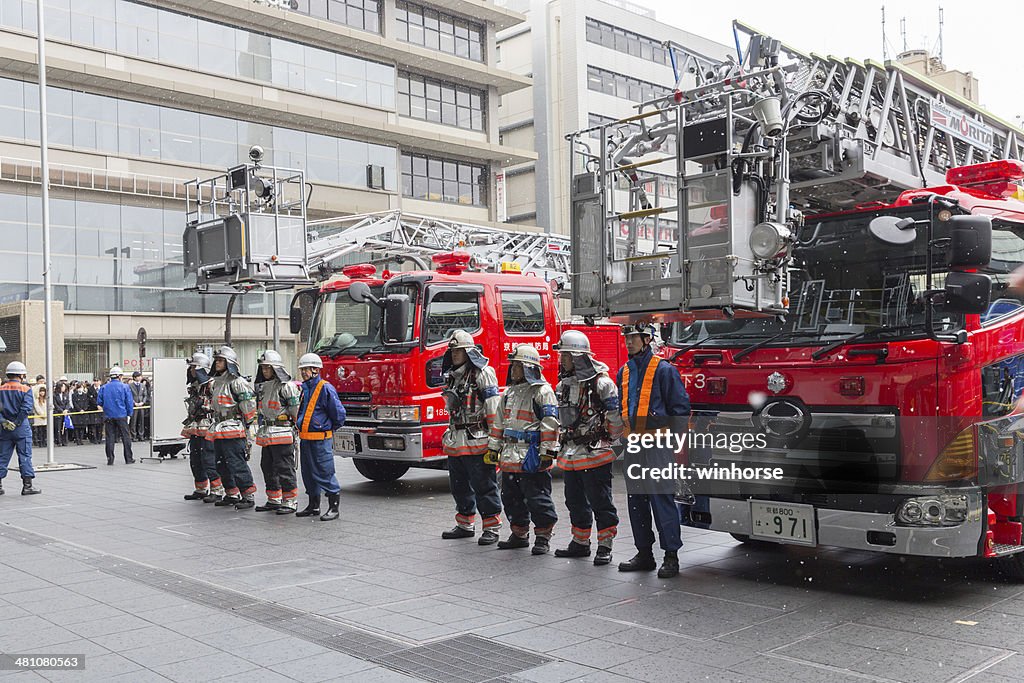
(382, 335)
(833, 267)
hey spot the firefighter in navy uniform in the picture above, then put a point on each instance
(278, 399)
(16, 405)
(588, 406)
(320, 413)
(472, 396)
(524, 443)
(197, 421)
(233, 402)
(650, 387)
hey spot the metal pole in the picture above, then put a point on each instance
(44, 184)
(277, 323)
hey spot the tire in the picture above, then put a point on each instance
(380, 470)
(754, 542)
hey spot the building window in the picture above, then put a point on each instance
(627, 42)
(444, 180)
(361, 14)
(439, 31)
(105, 124)
(625, 87)
(180, 40)
(431, 100)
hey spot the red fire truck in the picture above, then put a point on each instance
(834, 270)
(898, 424)
(390, 383)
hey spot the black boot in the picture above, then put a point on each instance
(1, 487)
(196, 495)
(541, 545)
(669, 567)
(514, 541)
(643, 561)
(212, 497)
(312, 509)
(246, 503)
(269, 507)
(26, 487)
(603, 556)
(574, 550)
(333, 500)
(227, 501)
(458, 532)
(488, 537)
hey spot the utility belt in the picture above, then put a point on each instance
(470, 426)
(517, 436)
(315, 436)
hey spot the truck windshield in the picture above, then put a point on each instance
(344, 326)
(846, 282)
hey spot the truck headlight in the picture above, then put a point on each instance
(945, 509)
(770, 240)
(397, 413)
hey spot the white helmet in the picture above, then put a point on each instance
(525, 354)
(16, 368)
(271, 358)
(200, 360)
(311, 360)
(116, 371)
(228, 354)
(639, 328)
(574, 341)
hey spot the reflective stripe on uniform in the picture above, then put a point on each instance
(644, 406)
(304, 432)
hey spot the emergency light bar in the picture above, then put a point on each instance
(1003, 170)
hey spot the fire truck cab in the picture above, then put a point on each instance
(385, 358)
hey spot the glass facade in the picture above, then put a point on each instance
(106, 257)
(362, 14)
(428, 99)
(626, 87)
(136, 30)
(439, 31)
(123, 127)
(627, 42)
(444, 180)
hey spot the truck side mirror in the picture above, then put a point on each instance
(295, 320)
(360, 293)
(967, 292)
(396, 317)
(971, 241)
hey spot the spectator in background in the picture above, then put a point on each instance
(61, 406)
(80, 404)
(140, 395)
(95, 419)
(39, 422)
(40, 382)
(147, 419)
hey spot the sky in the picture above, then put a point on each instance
(983, 36)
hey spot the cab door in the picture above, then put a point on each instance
(526, 318)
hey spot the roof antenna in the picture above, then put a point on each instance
(941, 22)
(885, 49)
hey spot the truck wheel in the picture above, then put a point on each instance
(380, 470)
(754, 542)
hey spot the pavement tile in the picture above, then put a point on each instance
(323, 667)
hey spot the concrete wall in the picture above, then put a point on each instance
(32, 338)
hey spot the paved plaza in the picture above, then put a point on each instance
(112, 564)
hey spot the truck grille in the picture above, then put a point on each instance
(357, 411)
(356, 396)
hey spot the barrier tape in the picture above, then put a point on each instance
(81, 412)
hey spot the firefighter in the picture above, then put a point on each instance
(278, 399)
(201, 458)
(472, 397)
(588, 406)
(650, 387)
(233, 402)
(16, 404)
(524, 443)
(320, 413)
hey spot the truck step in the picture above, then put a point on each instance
(1006, 549)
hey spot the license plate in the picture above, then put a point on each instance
(345, 442)
(783, 522)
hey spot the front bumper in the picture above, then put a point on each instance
(862, 530)
(380, 444)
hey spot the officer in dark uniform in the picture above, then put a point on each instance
(16, 405)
